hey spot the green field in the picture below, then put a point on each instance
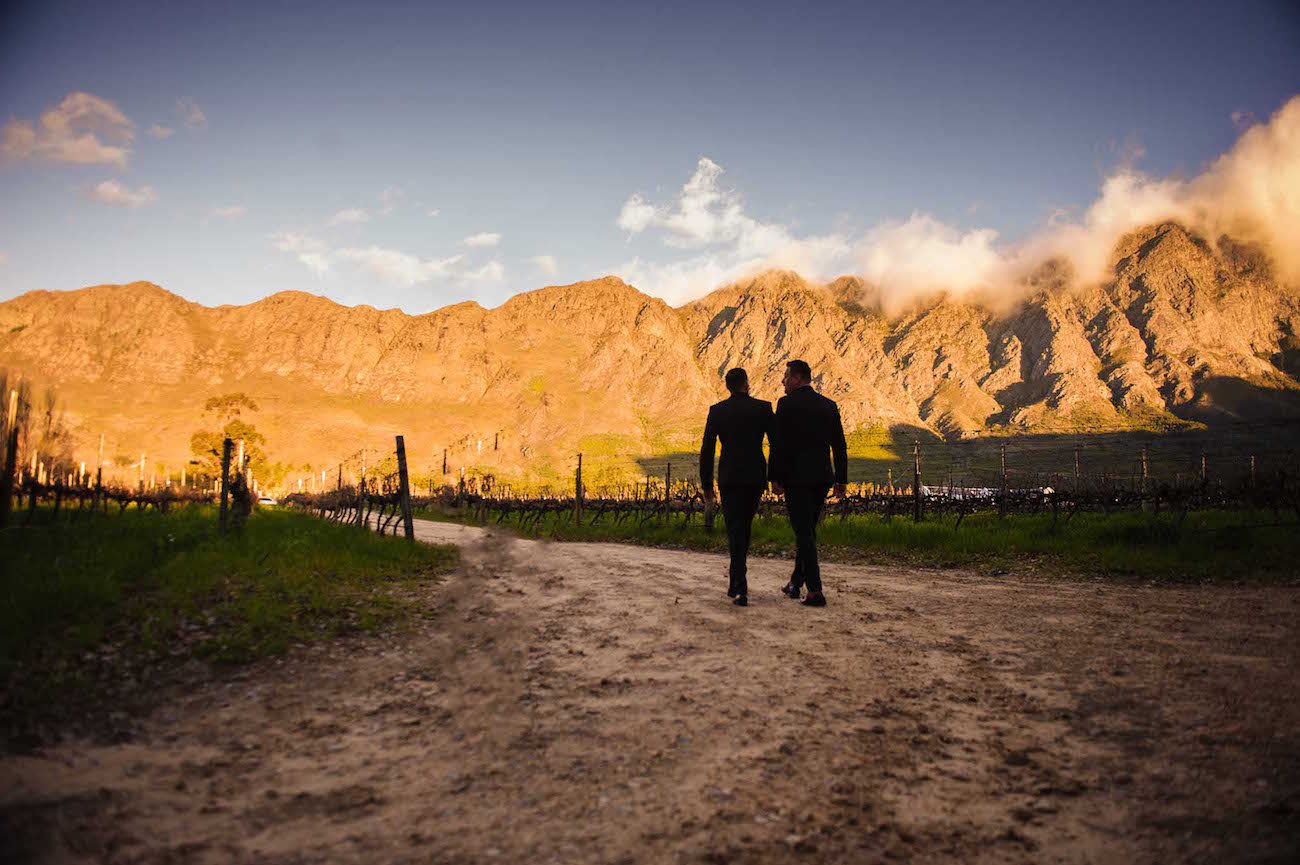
(143, 588)
(1213, 546)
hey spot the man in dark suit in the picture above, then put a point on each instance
(740, 421)
(806, 434)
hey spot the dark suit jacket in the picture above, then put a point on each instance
(806, 432)
(741, 422)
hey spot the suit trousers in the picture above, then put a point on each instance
(739, 504)
(804, 505)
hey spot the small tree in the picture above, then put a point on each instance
(206, 444)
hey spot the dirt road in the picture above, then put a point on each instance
(606, 703)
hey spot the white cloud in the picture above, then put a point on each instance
(388, 198)
(922, 254)
(490, 272)
(120, 195)
(402, 268)
(636, 215)
(390, 265)
(350, 216)
(309, 251)
(434, 212)
(76, 132)
(483, 238)
(190, 113)
(231, 212)
(545, 263)
(158, 133)
(705, 216)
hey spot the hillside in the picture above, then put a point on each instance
(1186, 331)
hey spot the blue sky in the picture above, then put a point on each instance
(423, 154)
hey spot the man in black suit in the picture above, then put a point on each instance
(741, 422)
(806, 434)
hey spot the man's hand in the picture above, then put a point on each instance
(838, 491)
(777, 488)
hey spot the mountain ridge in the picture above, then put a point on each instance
(1184, 331)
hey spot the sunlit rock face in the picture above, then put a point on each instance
(1185, 327)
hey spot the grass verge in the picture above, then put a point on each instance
(112, 598)
(1211, 546)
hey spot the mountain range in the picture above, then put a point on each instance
(1187, 330)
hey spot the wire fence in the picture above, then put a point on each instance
(1060, 476)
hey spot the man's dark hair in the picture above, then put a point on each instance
(736, 379)
(801, 369)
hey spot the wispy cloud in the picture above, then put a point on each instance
(231, 212)
(546, 264)
(77, 131)
(350, 216)
(190, 113)
(482, 239)
(388, 199)
(490, 272)
(121, 195)
(433, 212)
(159, 133)
(309, 251)
(388, 264)
(392, 265)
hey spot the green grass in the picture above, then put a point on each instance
(146, 586)
(1214, 546)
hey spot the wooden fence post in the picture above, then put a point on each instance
(1252, 471)
(1077, 474)
(1002, 496)
(226, 445)
(916, 482)
(11, 460)
(99, 470)
(668, 487)
(1205, 475)
(577, 494)
(444, 462)
(405, 491)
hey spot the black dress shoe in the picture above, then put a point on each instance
(790, 591)
(815, 599)
(741, 601)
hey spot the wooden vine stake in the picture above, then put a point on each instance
(405, 494)
(11, 460)
(226, 446)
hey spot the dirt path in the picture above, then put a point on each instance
(606, 703)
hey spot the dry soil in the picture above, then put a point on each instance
(606, 703)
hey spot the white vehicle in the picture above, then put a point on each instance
(267, 501)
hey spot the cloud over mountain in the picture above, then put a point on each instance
(1251, 193)
(726, 242)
